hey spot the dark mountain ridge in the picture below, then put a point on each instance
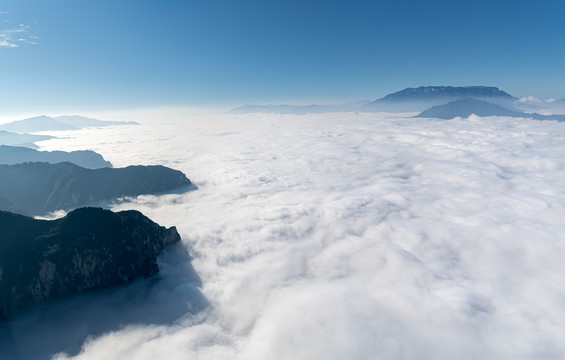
(10, 155)
(39, 188)
(88, 249)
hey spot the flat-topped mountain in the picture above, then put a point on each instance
(16, 154)
(467, 107)
(39, 188)
(65, 122)
(88, 249)
(27, 140)
(418, 99)
(428, 92)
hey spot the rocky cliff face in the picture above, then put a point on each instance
(88, 249)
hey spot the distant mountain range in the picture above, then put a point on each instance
(88, 249)
(462, 100)
(10, 155)
(40, 188)
(26, 140)
(66, 122)
(407, 100)
(467, 107)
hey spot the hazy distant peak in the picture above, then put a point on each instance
(82, 121)
(35, 124)
(65, 122)
(26, 140)
(38, 118)
(466, 107)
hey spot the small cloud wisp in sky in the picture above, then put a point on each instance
(16, 36)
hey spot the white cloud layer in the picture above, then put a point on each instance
(349, 236)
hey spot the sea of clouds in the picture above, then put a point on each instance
(332, 236)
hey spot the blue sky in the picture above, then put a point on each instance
(132, 53)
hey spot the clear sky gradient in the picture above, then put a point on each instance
(105, 54)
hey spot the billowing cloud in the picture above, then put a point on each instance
(341, 236)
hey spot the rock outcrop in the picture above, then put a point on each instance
(88, 249)
(39, 188)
